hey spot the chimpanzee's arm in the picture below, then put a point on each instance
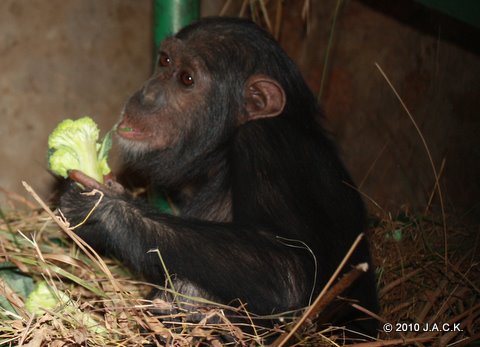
(212, 258)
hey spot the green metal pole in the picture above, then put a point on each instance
(169, 16)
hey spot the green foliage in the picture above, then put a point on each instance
(73, 145)
(21, 284)
(45, 298)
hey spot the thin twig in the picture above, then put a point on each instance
(328, 51)
(397, 282)
(367, 174)
(225, 7)
(278, 19)
(263, 10)
(435, 187)
(430, 158)
(281, 341)
(338, 288)
(397, 342)
(431, 301)
(85, 247)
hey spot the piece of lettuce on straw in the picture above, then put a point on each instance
(73, 145)
(45, 298)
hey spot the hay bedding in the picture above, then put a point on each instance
(419, 285)
(103, 306)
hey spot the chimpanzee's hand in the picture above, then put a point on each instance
(85, 208)
(109, 185)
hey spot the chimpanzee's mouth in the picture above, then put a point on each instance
(129, 133)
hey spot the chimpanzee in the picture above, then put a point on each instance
(228, 128)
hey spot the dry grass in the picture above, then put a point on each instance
(105, 306)
(417, 286)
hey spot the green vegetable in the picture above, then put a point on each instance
(125, 129)
(72, 145)
(45, 298)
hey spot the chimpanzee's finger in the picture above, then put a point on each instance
(85, 180)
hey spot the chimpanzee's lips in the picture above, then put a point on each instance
(129, 133)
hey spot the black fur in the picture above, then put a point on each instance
(252, 197)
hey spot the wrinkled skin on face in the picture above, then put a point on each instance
(159, 112)
(160, 122)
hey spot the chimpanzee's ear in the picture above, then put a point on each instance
(264, 98)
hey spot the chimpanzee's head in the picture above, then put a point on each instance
(210, 78)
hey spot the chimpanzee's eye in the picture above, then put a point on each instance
(163, 59)
(186, 79)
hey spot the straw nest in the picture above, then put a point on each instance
(423, 285)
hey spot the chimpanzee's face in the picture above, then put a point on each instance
(184, 116)
(165, 111)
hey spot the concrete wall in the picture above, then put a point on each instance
(433, 63)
